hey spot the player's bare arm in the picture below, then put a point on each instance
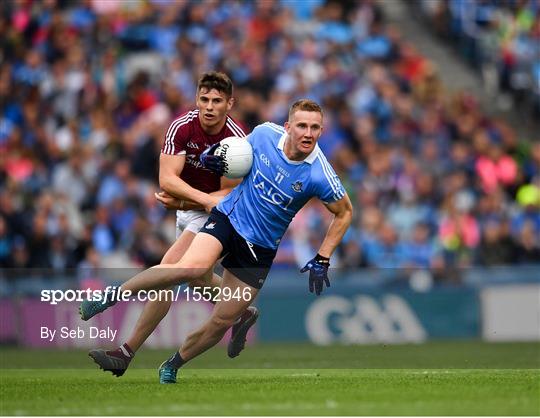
(215, 197)
(227, 185)
(170, 168)
(342, 210)
(171, 202)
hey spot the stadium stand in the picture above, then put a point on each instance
(499, 38)
(87, 89)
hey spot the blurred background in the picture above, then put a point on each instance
(432, 111)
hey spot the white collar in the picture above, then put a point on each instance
(310, 159)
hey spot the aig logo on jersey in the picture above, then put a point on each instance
(270, 192)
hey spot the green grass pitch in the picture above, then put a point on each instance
(443, 378)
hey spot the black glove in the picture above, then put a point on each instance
(318, 273)
(213, 162)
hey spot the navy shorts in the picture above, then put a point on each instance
(247, 261)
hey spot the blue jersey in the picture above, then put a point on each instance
(264, 204)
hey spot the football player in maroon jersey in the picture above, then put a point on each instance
(193, 191)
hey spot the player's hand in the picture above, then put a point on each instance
(318, 273)
(213, 162)
(168, 201)
(213, 200)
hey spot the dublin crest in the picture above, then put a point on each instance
(297, 186)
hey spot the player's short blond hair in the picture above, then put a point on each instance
(304, 104)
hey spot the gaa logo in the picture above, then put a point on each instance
(363, 319)
(269, 192)
(265, 160)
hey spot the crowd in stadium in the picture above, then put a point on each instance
(500, 38)
(88, 88)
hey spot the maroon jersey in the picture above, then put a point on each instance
(186, 137)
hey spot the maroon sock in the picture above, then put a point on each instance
(130, 352)
(124, 351)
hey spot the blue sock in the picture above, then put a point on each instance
(176, 360)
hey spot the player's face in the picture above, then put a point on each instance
(213, 108)
(303, 129)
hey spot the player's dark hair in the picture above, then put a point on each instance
(305, 104)
(217, 81)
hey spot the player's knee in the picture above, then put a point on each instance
(191, 271)
(180, 274)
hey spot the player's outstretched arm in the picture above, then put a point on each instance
(318, 265)
(171, 202)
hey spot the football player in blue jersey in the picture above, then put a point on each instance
(245, 228)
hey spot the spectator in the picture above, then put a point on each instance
(421, 251)
(89, 269)
(103, 238)
(113, 186)
(496, 246)
(495, 169)
(458, 232)
(528, 198)
(385, 251)
(39, 245)
(528, 245)
(73, 178)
